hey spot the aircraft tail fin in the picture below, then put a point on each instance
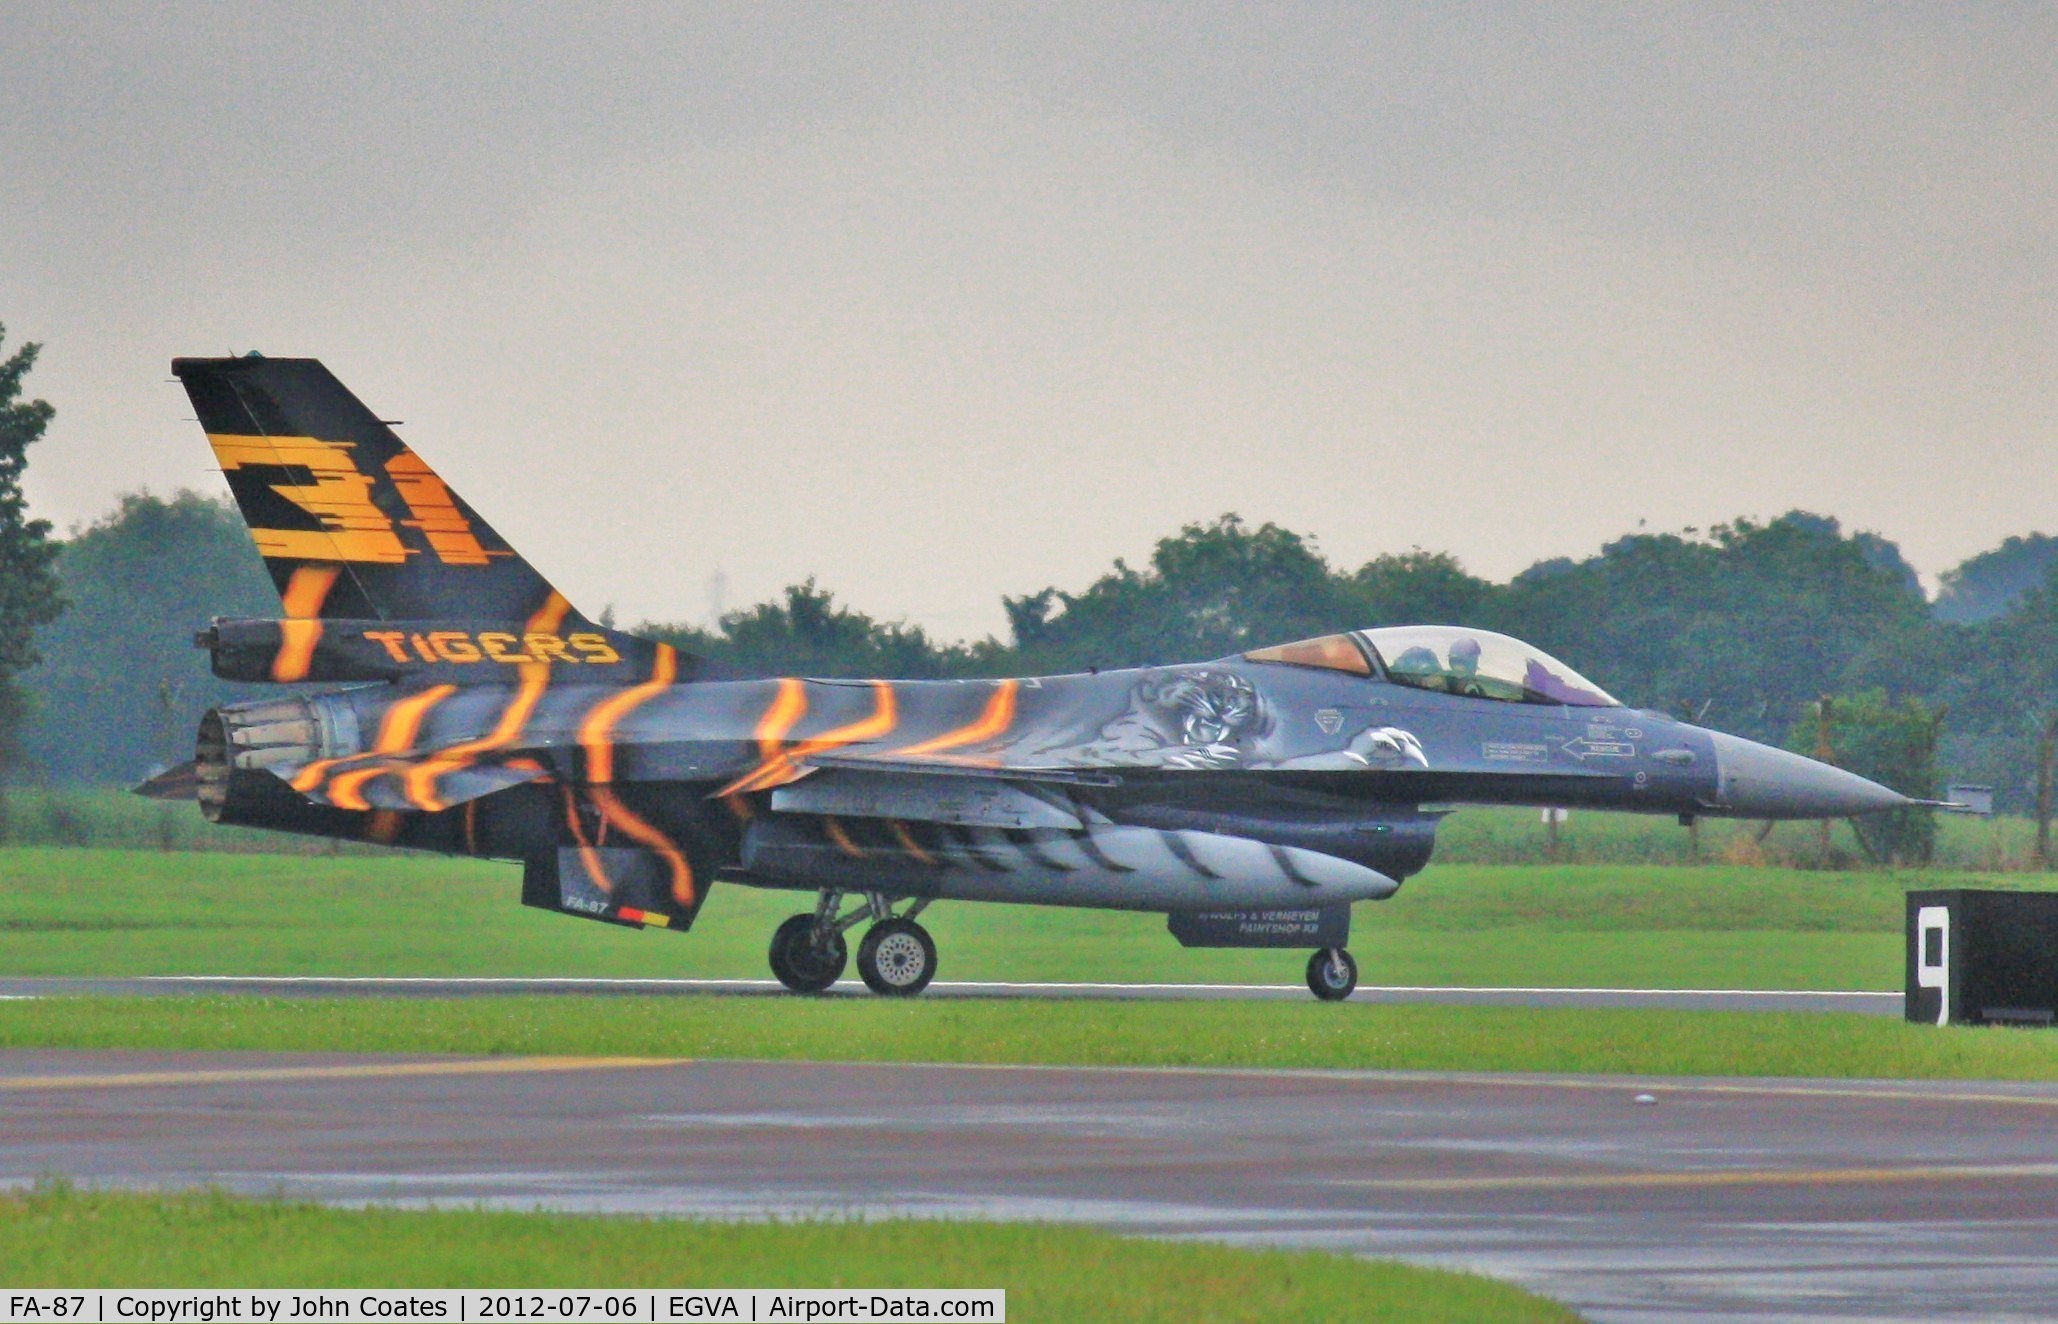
(351, 523)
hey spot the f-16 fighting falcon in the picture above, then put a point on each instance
(439, 694)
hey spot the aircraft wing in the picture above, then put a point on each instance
(852, 787)
(180, 783)
(382, 781)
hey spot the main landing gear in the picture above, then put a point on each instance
(896, 958)
(1332, 974)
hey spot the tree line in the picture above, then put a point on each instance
(1745, 626)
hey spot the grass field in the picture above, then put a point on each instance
(86, 912)
(56, 1236)
(1296, 1035)
(123, 912)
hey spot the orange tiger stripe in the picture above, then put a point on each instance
(598, 729)
(303, 597)
(422, 779)
(346, 791)
(550, 616)
(842, 840)
(788, 707)
(908, 843)
(998, 716)
(586, 851)
(398, 731)
(614, 811)
(784, 767)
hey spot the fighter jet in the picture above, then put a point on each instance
(439, 694)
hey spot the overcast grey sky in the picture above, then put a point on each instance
(940, 303)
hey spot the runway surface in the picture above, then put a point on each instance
(1751, 1200)
(1697, 999)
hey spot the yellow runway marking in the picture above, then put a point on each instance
(1616, 1181)
(363, 1071)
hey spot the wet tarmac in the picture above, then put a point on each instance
(1750, 1200)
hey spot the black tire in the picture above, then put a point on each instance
(1332, 974)
(897, 959)
(799, 964)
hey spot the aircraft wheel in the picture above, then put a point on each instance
(799, 964)
(897, 959)
(1332, 974)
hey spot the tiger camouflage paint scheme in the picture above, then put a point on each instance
(441, 695)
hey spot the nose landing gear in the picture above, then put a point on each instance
(896, 959)
(1332, 974)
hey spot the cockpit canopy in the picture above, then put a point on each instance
(1448, 659)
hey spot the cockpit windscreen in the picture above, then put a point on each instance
(1479, 664)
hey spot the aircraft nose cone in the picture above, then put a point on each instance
(1758, 781)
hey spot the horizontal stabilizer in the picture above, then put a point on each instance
(406, 785)
(180, 783)
(427, 781)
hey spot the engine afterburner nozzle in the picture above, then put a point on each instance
(1758, 781)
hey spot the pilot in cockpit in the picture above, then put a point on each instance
(1419, 666)
(1462, 677)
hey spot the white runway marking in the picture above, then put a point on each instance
(1045, 986)
(1810, 1001)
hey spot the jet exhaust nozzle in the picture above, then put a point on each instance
(257, 737)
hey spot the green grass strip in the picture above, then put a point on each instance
(107, 912)
(56, 1236)
(1204, 1034)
